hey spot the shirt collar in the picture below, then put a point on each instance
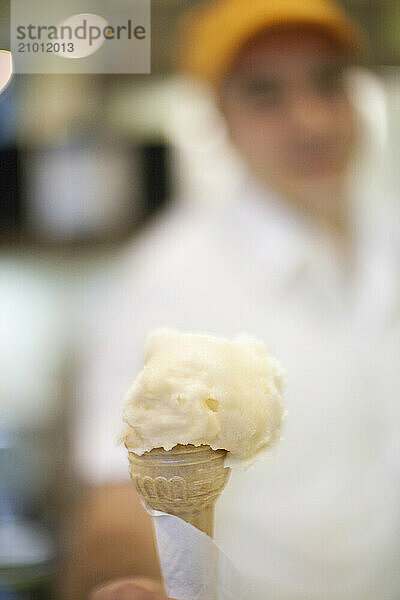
(292, 258)
(281, 241)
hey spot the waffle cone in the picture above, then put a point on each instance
(185, 481)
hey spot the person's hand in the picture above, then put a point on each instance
(129, 589)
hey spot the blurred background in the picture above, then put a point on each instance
(85, 164)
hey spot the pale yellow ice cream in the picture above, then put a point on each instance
(200, 389)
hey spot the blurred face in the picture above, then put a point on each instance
(287, 112)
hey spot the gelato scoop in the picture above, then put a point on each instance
(205, 390)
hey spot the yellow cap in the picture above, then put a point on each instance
(214, 33)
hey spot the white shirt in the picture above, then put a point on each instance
(320, 517)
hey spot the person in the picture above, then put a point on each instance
(297, 260)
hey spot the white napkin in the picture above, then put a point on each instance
(193, 566)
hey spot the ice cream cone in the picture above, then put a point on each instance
(185, 481)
